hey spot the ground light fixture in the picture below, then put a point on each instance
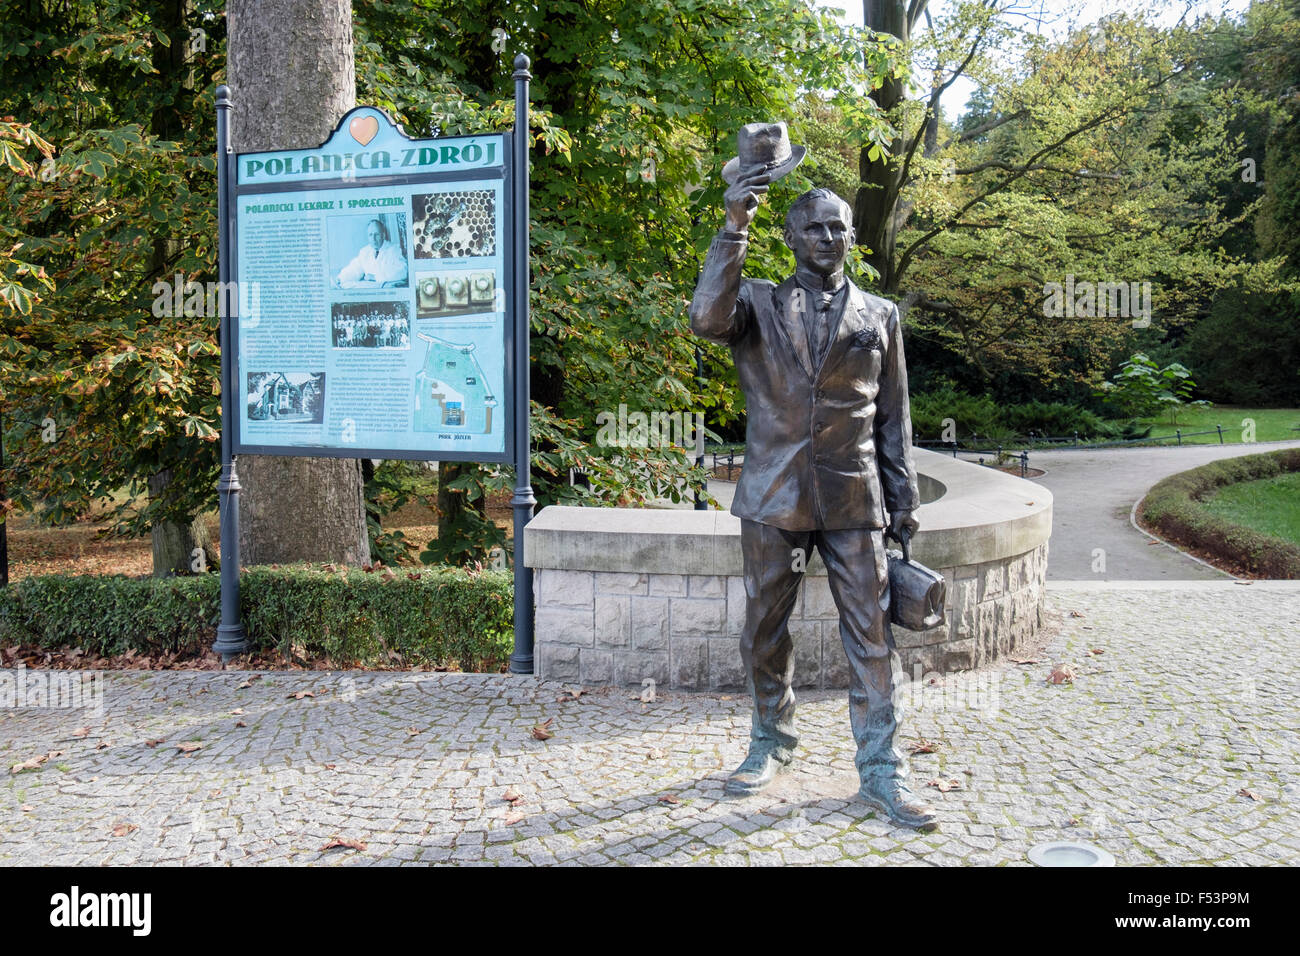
(1066, 853)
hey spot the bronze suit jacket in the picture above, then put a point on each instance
(827, 447)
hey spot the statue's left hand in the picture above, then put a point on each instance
(902, 523)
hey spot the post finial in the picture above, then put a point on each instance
(521, 65)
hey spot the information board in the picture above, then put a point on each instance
(374, 284)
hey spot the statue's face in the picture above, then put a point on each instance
(820, 236)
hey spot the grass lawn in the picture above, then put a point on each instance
(1270, 505)
(1271, 424)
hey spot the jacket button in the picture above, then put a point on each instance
(819, 459)
(821, 394)
(820, 427)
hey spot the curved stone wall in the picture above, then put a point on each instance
(626, 594)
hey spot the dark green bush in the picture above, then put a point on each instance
(1173, 507)
(981, 415)
(439, 616)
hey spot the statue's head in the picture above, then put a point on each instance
(819, 230)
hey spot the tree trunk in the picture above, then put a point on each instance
(873, 208)
(292, 77)
(175, 542)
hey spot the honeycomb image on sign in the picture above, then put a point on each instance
(451, 391)
(457, 225)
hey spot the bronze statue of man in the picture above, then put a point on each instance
(827, 457)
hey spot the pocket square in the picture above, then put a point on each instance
(868, 338)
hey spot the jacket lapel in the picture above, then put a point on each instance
(851, 317)
(791, 325)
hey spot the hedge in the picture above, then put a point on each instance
(435, 617)
(1173, 507)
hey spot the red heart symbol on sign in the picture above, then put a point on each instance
(363, 129)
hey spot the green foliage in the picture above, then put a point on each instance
(431, 617)
(1141, 388)
(1174, 507)
(994, 421)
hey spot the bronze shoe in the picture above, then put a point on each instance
(758, 770)
(892, 796)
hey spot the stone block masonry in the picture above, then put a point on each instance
(624, 594)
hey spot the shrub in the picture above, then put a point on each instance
(1173, 507)
(437, 617)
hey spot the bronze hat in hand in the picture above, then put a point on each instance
(763, 146)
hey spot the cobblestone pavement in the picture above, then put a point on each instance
(1146, 753)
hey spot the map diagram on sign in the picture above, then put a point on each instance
(451, 391)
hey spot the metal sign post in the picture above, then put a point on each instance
(523, 502)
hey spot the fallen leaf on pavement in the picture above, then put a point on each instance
(412, 731)
(1024, 660)
(943, 786)
(922, 746)
(569, 695)
(331, 766)
(511, 795)
(1061, 674)
(1243, 792)
(669, 798)
(154, 743)
(1075, 614)
(237, 712)
(358, 845)
(300, 694)
(1097, 650)
(102, 745)
(656, 754)
(543, 730)
(26, 808)
(188, 747)
(249, 682)
(240, 723)
(513, 817)
(81, 732)
(122, 829)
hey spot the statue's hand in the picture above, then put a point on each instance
(902, 523)
(743, 197)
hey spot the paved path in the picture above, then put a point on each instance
(1093, 493)
(1192, 701)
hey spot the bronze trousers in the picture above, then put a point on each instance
(859, 580)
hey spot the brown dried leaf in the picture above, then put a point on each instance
(154, 743)
(669, 799)
(122, 829)
(1075, 614)
(511, 795)
(1243, 792)
(249, 682)
(569, 695)
(923, 746)
(1097, 650)
(81, 732)
(1024, 660)
(358, 845)
(331, 766)
(237, 712)
(542, 731)
(943, 786)
(300, 694)
(189, 746)
(513, 817)
(31, 764)
(1061, 674)
(102, 745)
(240, 723)
(27, 808)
